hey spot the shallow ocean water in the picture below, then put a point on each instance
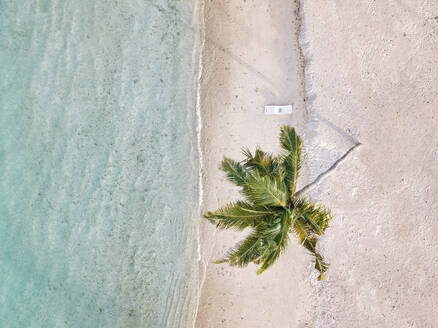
(98, 163)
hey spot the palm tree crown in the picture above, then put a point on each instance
(271, 209)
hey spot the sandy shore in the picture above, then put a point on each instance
(372, 72)
(251, 59)
(369, 75)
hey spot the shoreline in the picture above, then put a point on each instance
(198, 214)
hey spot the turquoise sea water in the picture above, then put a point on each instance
(98, 163)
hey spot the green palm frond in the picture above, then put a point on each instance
(308, 238)
(266, 191)
(301, 229)
(280, 242)
(291, 143)
(292, 168)
(289, 139)
(279, 173)
(320, 265)
(247, 251)
(239, 215)
(236, 173)
(263, 163)
(317, 217)
(271, 210)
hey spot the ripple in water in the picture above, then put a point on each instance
(98, 163)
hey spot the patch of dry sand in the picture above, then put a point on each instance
(371, 72)
(251, 59)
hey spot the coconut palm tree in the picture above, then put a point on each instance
(271, 208)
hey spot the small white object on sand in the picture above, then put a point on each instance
(275, 109)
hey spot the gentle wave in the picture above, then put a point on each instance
(98, 163)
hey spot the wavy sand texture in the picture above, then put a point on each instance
(370, 72)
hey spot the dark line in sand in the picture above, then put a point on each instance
(302, 58)
(328, 171)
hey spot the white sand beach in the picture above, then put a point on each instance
(251, 59)
(365, 73)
